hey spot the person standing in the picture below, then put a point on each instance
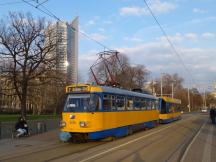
(212, 115)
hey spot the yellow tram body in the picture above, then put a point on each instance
(118, 112)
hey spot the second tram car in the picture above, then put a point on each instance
(169, 109)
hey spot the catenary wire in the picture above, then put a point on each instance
(49, 13)
(169, 41)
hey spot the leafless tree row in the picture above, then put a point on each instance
(27, 63)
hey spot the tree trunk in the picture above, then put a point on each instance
(24, 99)
(23, 107)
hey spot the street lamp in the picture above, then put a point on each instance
(162, 84)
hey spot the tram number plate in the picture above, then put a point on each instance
(72, 122)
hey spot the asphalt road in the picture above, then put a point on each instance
(191, 139)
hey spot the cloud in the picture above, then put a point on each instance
(137, 11)
(101, 29)
(107, 22)
(91, 22)
(208, 35)
(192, 37)
(205, 20)
(177, 38)
(198, 10)
(98, 37)
(158, 57)
(156, 6)
(133, 39)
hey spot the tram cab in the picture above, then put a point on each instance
(169, 109)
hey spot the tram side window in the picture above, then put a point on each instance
(143, 104)
(137, 103)
(156, 104)
(106, 102)
(113, 103)
(120, 103)
(168, 107)
(149, 105)
(130, 103)
(94, 103)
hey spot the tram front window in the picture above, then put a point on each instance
(82, 103)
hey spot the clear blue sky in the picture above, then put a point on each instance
(127, 26)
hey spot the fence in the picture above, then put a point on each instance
(35, 127)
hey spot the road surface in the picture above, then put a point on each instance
(191, 139)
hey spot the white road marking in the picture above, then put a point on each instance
(189, 146)
(207, 149)
(129, 142)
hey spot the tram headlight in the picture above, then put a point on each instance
(62, 124)
(83, 124)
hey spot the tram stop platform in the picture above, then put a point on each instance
(23, 145)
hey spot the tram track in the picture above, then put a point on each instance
(57, 152)
(150, 142)
(64, 150)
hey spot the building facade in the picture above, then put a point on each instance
(67, 49)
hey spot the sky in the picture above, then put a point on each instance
(127, 26)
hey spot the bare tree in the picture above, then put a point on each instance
(126, 75)
(26, 43)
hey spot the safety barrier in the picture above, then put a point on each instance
(35, 127)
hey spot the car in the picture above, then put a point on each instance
(204, 110)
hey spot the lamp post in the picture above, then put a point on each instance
(172, 90)
(189, 109)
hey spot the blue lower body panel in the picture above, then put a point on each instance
(115, 132)
(165, 121)
(119, 132)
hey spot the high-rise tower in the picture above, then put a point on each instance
(67, 49)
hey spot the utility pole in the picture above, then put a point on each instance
(204, 99)
(161, 84)
(189, 109)
(172, 89)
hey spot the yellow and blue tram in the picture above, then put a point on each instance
(97, 112)
(169, 109)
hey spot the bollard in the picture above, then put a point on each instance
(39, 127)
(45, 128)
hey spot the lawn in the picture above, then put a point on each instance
(14, 117)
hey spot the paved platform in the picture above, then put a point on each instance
(21, 146)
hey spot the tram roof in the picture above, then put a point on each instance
(126, 92)
(79, 88)
(171, 100)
